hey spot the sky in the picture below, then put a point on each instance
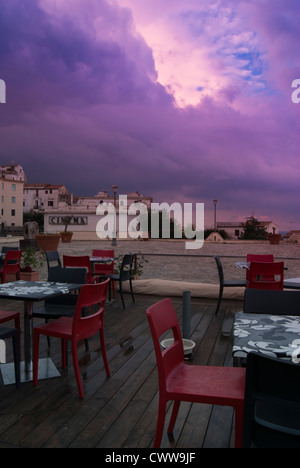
(181, 100)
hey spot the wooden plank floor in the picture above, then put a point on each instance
(120, 411)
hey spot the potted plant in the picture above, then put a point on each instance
(31, 261)
(66, 236)
(48, 242)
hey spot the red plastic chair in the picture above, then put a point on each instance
(7, 316)
(258, 258)
(70, 261)
(105, 268)
(76, 328)
(11, 265)
(266, 275)
(179, 381)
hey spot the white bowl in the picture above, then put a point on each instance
(188, 345)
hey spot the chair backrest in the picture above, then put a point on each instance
(264, 301)
(90, 295)
(12, 262)
(106, 267)
(220, 269)
(127, 266)
(81, 261)
(162, 318)
(268, 258)
(272, 406)
(266, 275)
(53, 256)
(67, 275)
(5, 248)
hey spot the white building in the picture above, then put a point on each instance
(39, 197)
(236, 229)
(12, 179)
(85, 217)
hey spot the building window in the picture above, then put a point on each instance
(13, 200)
(13, 212)
(13, 187)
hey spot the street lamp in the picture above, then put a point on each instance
(114, 239)
(215, 214)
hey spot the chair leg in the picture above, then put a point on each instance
(103, 350)
(160, 423)
(131, 290)
(16, 359)
(36, 340)
(239, 419)
(219, 299)
(76, 368)
(173, 416)
(18, 327)
(121, 294)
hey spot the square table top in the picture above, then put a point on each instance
(272, 335)
(35, 290)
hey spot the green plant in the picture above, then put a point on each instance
(67, 220)
(31, 259)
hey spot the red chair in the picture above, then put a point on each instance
(105, 268)
(76, 328)
(11, 265)
(266, 275)
(70, 261)
(179, 381)
(258, 258)
(7, 316)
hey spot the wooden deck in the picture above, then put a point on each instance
(120, 411)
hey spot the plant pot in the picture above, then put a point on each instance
(29, 275)
(274, 238)
(48, 242)
(66, 237)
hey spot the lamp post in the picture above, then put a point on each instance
(114, 239)
(215, 214)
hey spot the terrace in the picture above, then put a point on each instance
(120, 411)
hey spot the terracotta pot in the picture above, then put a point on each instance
(29, 275)
(274, 238)
(48, 242)
(66, 236)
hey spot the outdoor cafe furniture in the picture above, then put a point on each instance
(271, 409)
(232, 283)
(80, 261)
(103, 263)
(125, 274)
(258, 258)
(63, 305)
(30, 292)
(272, 335)
(179, 381)
(13, 333)
(11, 266)
(76, 328)
(8, 316)
(268, 275)
(291, 283)
(52, 256)
(4, 250)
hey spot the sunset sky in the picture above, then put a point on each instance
(182, 100)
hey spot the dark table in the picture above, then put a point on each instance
(272, 335)
(30, 292)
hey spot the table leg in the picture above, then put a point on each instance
(28, 335)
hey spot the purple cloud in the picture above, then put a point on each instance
(89, 105)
